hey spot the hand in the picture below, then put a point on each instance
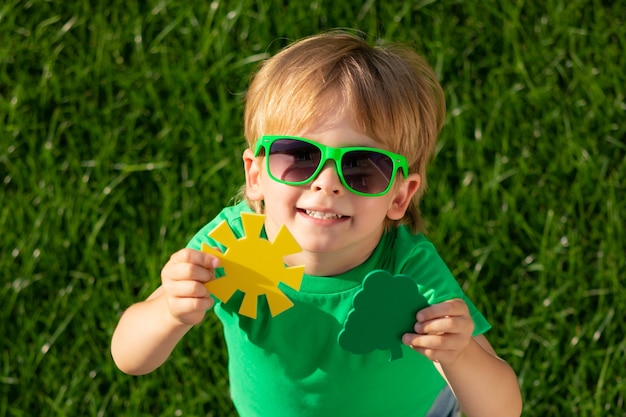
(183, 278)
(442, 331)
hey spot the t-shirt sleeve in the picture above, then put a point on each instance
(232, 216)
(202, 236)
(436, 282)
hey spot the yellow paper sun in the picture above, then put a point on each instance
(254, 265)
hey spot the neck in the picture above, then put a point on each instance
(327, 264)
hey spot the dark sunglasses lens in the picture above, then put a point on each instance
(367, 172)
(293, 160)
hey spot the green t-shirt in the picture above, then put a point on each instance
(292, 365)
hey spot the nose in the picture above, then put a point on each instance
(328, 180)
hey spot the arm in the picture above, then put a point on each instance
(149, 330)
(484, 384)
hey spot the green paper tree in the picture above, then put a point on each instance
(383, 310)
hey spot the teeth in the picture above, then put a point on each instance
(322, 215)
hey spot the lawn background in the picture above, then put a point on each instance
(121, 135)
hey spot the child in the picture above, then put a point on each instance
(351, 212)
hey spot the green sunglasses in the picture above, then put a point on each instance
(297, 161)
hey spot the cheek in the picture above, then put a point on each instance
(373, 209)
(278, 197)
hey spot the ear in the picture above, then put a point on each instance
(252, 170)
(403, 195)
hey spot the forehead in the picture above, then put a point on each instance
(338, 130)
(305, 115)
(295, 112)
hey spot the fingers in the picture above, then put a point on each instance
(442, 331)
(185, 274)
(445, 348)
(186, 289)
(183, 278)
(447, 324)
(195, 257)
(189, 310)
(455, 307)
(189, 264)
(435, 342)
(448, 317)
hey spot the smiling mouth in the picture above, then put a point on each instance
(323, 215)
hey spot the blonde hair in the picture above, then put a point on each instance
(391, 92)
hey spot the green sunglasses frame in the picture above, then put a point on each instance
(335, 154)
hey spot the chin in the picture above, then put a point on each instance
(320, 247)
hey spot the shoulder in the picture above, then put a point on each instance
(406, 239)
(417, 257)
(411, 247)
(231, 215)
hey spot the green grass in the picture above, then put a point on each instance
(121, 135)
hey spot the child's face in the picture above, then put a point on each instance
(336, 228)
